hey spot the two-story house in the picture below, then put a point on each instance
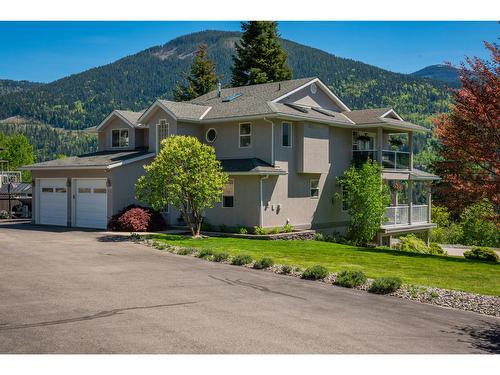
(283, 145)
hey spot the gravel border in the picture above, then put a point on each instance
(487, 305)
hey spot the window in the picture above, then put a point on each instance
(245, 135)
(313, 88)
(286, 133)
(211, 135)
(99, 190)
(228, 194)
(119, 138)
(314, 188)
(345, 205)
(60, 190)
(47, 190)
(162, 132)
(362, 141)
(84, 190)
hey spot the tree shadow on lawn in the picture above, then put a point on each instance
(485, 337)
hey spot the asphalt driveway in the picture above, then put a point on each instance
(64, 291)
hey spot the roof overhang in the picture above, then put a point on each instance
(259, 173)
(115, 113)
(414, 175)
(323, 87)
(158, 104)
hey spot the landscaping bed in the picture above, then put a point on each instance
(350, 262)
(294, 235)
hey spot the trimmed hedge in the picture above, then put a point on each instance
(350, 279)
(136, 218)
(385, 285)
(481, 253)
(316, 272)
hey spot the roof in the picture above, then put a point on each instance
(185, 110)
(249, 166)
(367, 116)
(21, 188)
(95, 160)
(414, 174)
(130, 116)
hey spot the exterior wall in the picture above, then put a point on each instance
(246, 205)
(153, 120)
(104, 135)
(123, 181)
(307, 98)
(227, 142)
(69, 174)
(312, 148)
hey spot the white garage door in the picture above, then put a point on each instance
(52, 201)
(90, 203)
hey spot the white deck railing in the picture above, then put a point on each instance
(9, 176)
(398, 215)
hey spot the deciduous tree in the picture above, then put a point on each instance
(185, 174)
(259, 56)
(469, 136)
(17, 150)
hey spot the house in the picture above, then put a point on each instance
(283, 145)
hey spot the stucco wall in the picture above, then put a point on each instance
(104, 135)
(307, 98)
(154, 118)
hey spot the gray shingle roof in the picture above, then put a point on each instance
(185, 110)
(366, 116)
(132, 117)
(100, 159)
(251, 165)
(253, 101)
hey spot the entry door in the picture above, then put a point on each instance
(52, 201)
(90, 203)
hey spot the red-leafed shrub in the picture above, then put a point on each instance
(137, 219)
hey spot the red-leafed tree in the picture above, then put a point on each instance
(469, 136)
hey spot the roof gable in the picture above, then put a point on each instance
(128, 117)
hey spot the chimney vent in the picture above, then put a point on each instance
(219, 89)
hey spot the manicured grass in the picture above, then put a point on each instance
(429, 270)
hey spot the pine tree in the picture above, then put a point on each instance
(202, 77)
(259, 56)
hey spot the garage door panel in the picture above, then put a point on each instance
(91, 203)
(53, 202)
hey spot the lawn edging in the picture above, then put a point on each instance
(482, 304)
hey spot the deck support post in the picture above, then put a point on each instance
(410, 201)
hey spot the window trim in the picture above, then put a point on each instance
(290, 134)
(119, 130)
(206, 135)
(157, 127)
(234, 193)
(244, 135)
(311, 188)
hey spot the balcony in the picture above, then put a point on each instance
(390, 159)
(395, 159)
(399, 215)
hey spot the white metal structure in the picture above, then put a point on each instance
(90, 203)
(52, 201)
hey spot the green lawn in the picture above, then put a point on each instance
(429, 270)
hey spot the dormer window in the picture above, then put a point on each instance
(119, 138)
(162, 132)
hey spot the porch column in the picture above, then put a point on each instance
(380, 143)
(410, 149)
(410, 201)
(429, 203)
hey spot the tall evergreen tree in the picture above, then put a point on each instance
(202, 77)
(259, 56)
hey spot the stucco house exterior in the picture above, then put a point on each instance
(283, 145)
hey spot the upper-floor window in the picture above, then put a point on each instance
(211, 135)
(228, 194)
(363, 141)
(286, 134)
(162, 132)
(314, 188)
(119, 138)
(245, 135)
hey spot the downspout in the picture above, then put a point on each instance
(272, 140)
(261, 205)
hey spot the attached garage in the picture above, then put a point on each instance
(53, 201)
(90, 203)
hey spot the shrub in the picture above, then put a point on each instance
(241, 260)
(186, 251)
(207, 227)
(263, 263)
(241, 230)
(160, 245)
(259, 230)
(223, 228)
(435, 249)
(4, 214)
(451, 234)
(481, 253)
(136, 218)
(319, 237)
(205, 253)
(412, 244)
(220, 257)
(350, 279)
(274, 230)
(316, 272)
(385, 285)
(287, 228)
(479, 224)
(286, 269)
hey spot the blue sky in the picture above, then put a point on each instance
(46, 51)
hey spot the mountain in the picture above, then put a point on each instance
(440, 72)
(8, 86)
(133, 82)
